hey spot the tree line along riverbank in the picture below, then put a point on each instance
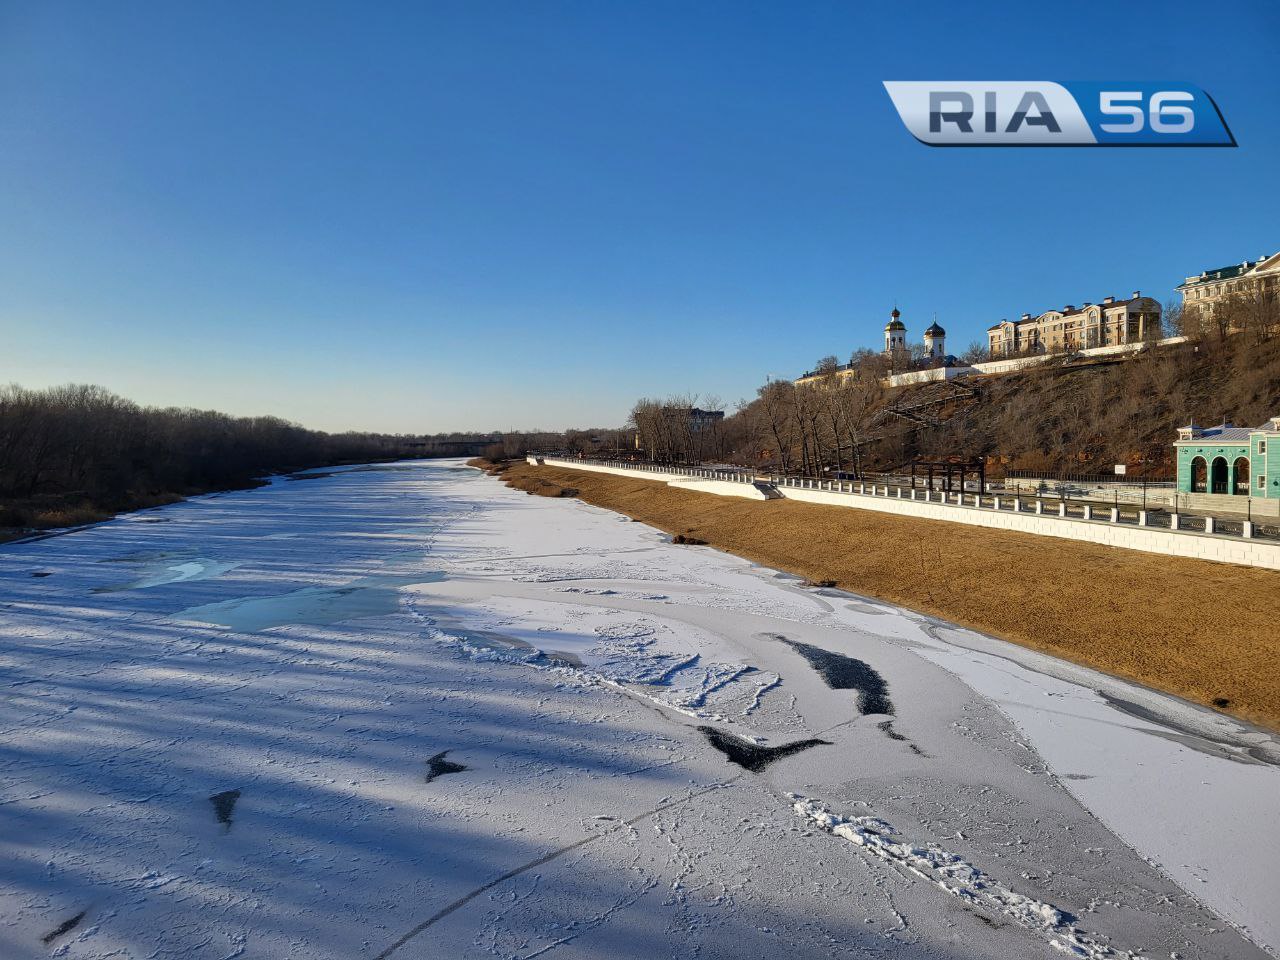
(1199, 630)
(79, 454)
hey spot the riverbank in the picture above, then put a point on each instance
(21, 519)
(1203, 631)
(51, 514)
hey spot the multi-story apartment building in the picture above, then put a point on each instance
(1249, 277)
(1076, 328)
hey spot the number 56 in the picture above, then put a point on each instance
(1165, 111)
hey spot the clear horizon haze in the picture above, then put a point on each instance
(423, 217)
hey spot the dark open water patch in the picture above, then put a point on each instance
(751, 756)
(223, 804)
(846, 673)
(886, 727)
(438, 766)
(66, 926)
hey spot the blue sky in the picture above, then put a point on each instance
(434, 216)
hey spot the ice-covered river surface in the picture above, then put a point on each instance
(405, 711)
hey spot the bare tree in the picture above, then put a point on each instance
(777, 406)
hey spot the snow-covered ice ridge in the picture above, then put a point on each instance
(956, 876)
(643, 656)
(405, 711)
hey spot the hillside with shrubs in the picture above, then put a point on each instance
(1069, 414)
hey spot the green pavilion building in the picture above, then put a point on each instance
(1230, 461)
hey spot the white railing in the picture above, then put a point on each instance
(1014, 502)
(1006, 501)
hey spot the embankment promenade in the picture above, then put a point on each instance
(1197, 537)
(1202, 630)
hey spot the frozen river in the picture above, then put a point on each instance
(405, 711)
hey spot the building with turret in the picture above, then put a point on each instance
(895, 334)
(935, 341)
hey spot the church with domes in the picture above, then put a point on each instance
(896, 350)
(895, 338)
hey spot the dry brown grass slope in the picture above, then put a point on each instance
(1203, 631)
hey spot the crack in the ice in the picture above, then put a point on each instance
(547, 858)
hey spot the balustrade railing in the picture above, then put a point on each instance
(1118, 511)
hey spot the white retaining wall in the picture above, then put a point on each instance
(926, 376)
(1117, 348)
(1021, 363)
(1011, 364)
(598, 468)
(723, 488)
(1201, 546)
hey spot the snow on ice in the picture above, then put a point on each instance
(402, 710)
